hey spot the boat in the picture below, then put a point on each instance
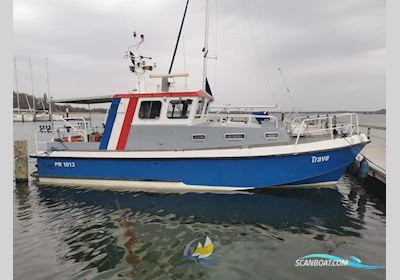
(17, 117)
(23, 117)
(173, 140)
(18, 114)
(32, 115)
(42, 117)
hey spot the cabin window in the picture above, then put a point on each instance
(150, 110)
(235, 136)
(272, 135)
(199, 137)
(200, 107)
(179, 109)
(207, 106)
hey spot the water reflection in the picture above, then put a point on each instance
(126, 239)
(292, 210)
(141, 235)
(22, 194)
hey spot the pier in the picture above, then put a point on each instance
(376, 158)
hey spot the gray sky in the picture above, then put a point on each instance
(332, 53)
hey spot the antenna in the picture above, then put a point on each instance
(205, 48)
(184, 62)
(32, 89)
(48, 92)
(139, 66)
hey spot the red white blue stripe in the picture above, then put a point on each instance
(118, 124)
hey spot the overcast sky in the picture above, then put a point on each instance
(332, 53)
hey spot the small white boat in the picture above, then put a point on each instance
(45, 117)
(42, 117)
(17, 117)
(23, 117)
(28, 117)
(57, 117)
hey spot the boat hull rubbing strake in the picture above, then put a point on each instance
(187, 171)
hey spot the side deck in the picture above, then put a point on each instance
(223, 132)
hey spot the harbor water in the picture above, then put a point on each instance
(62, 232)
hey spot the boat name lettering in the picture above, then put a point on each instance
(315, 159)
(64, 164)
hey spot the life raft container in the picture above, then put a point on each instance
(73, 139)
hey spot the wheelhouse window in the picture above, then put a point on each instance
(150, 110)
(179, 109)
(200, 107)
(207, 107)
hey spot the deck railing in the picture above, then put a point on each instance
(66, 129)
(331, 124)
(247, 118)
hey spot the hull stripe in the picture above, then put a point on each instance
(235, 172)
(119, 120)
(126, 127)
(112, 113)
(160, 186)
(357, 142)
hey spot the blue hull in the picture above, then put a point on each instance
(249, 172)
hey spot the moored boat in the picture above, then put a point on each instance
(23, 117)
(146, 143)
(173, 140)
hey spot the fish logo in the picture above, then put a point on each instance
(201, 255)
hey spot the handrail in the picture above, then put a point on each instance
(67, 127)
(80, 131)
(317, 117)
(248, 117)
(331, 124)
(248, 107)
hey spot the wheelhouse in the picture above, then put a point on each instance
(151, 109)
(175, 108)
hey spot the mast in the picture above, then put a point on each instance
(179, 36)
(32, 91)
(184, 62)
(205, 49)
(48, 93)
(16, 86)
(41, 101)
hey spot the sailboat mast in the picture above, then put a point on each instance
(205, 49)
(48, 93)
(16, 86)
(32, 91)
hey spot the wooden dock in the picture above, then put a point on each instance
(376, 157)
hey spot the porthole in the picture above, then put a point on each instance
(199, 137)
(272, 135)
(235, 136)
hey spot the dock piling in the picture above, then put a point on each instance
(21, 161)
